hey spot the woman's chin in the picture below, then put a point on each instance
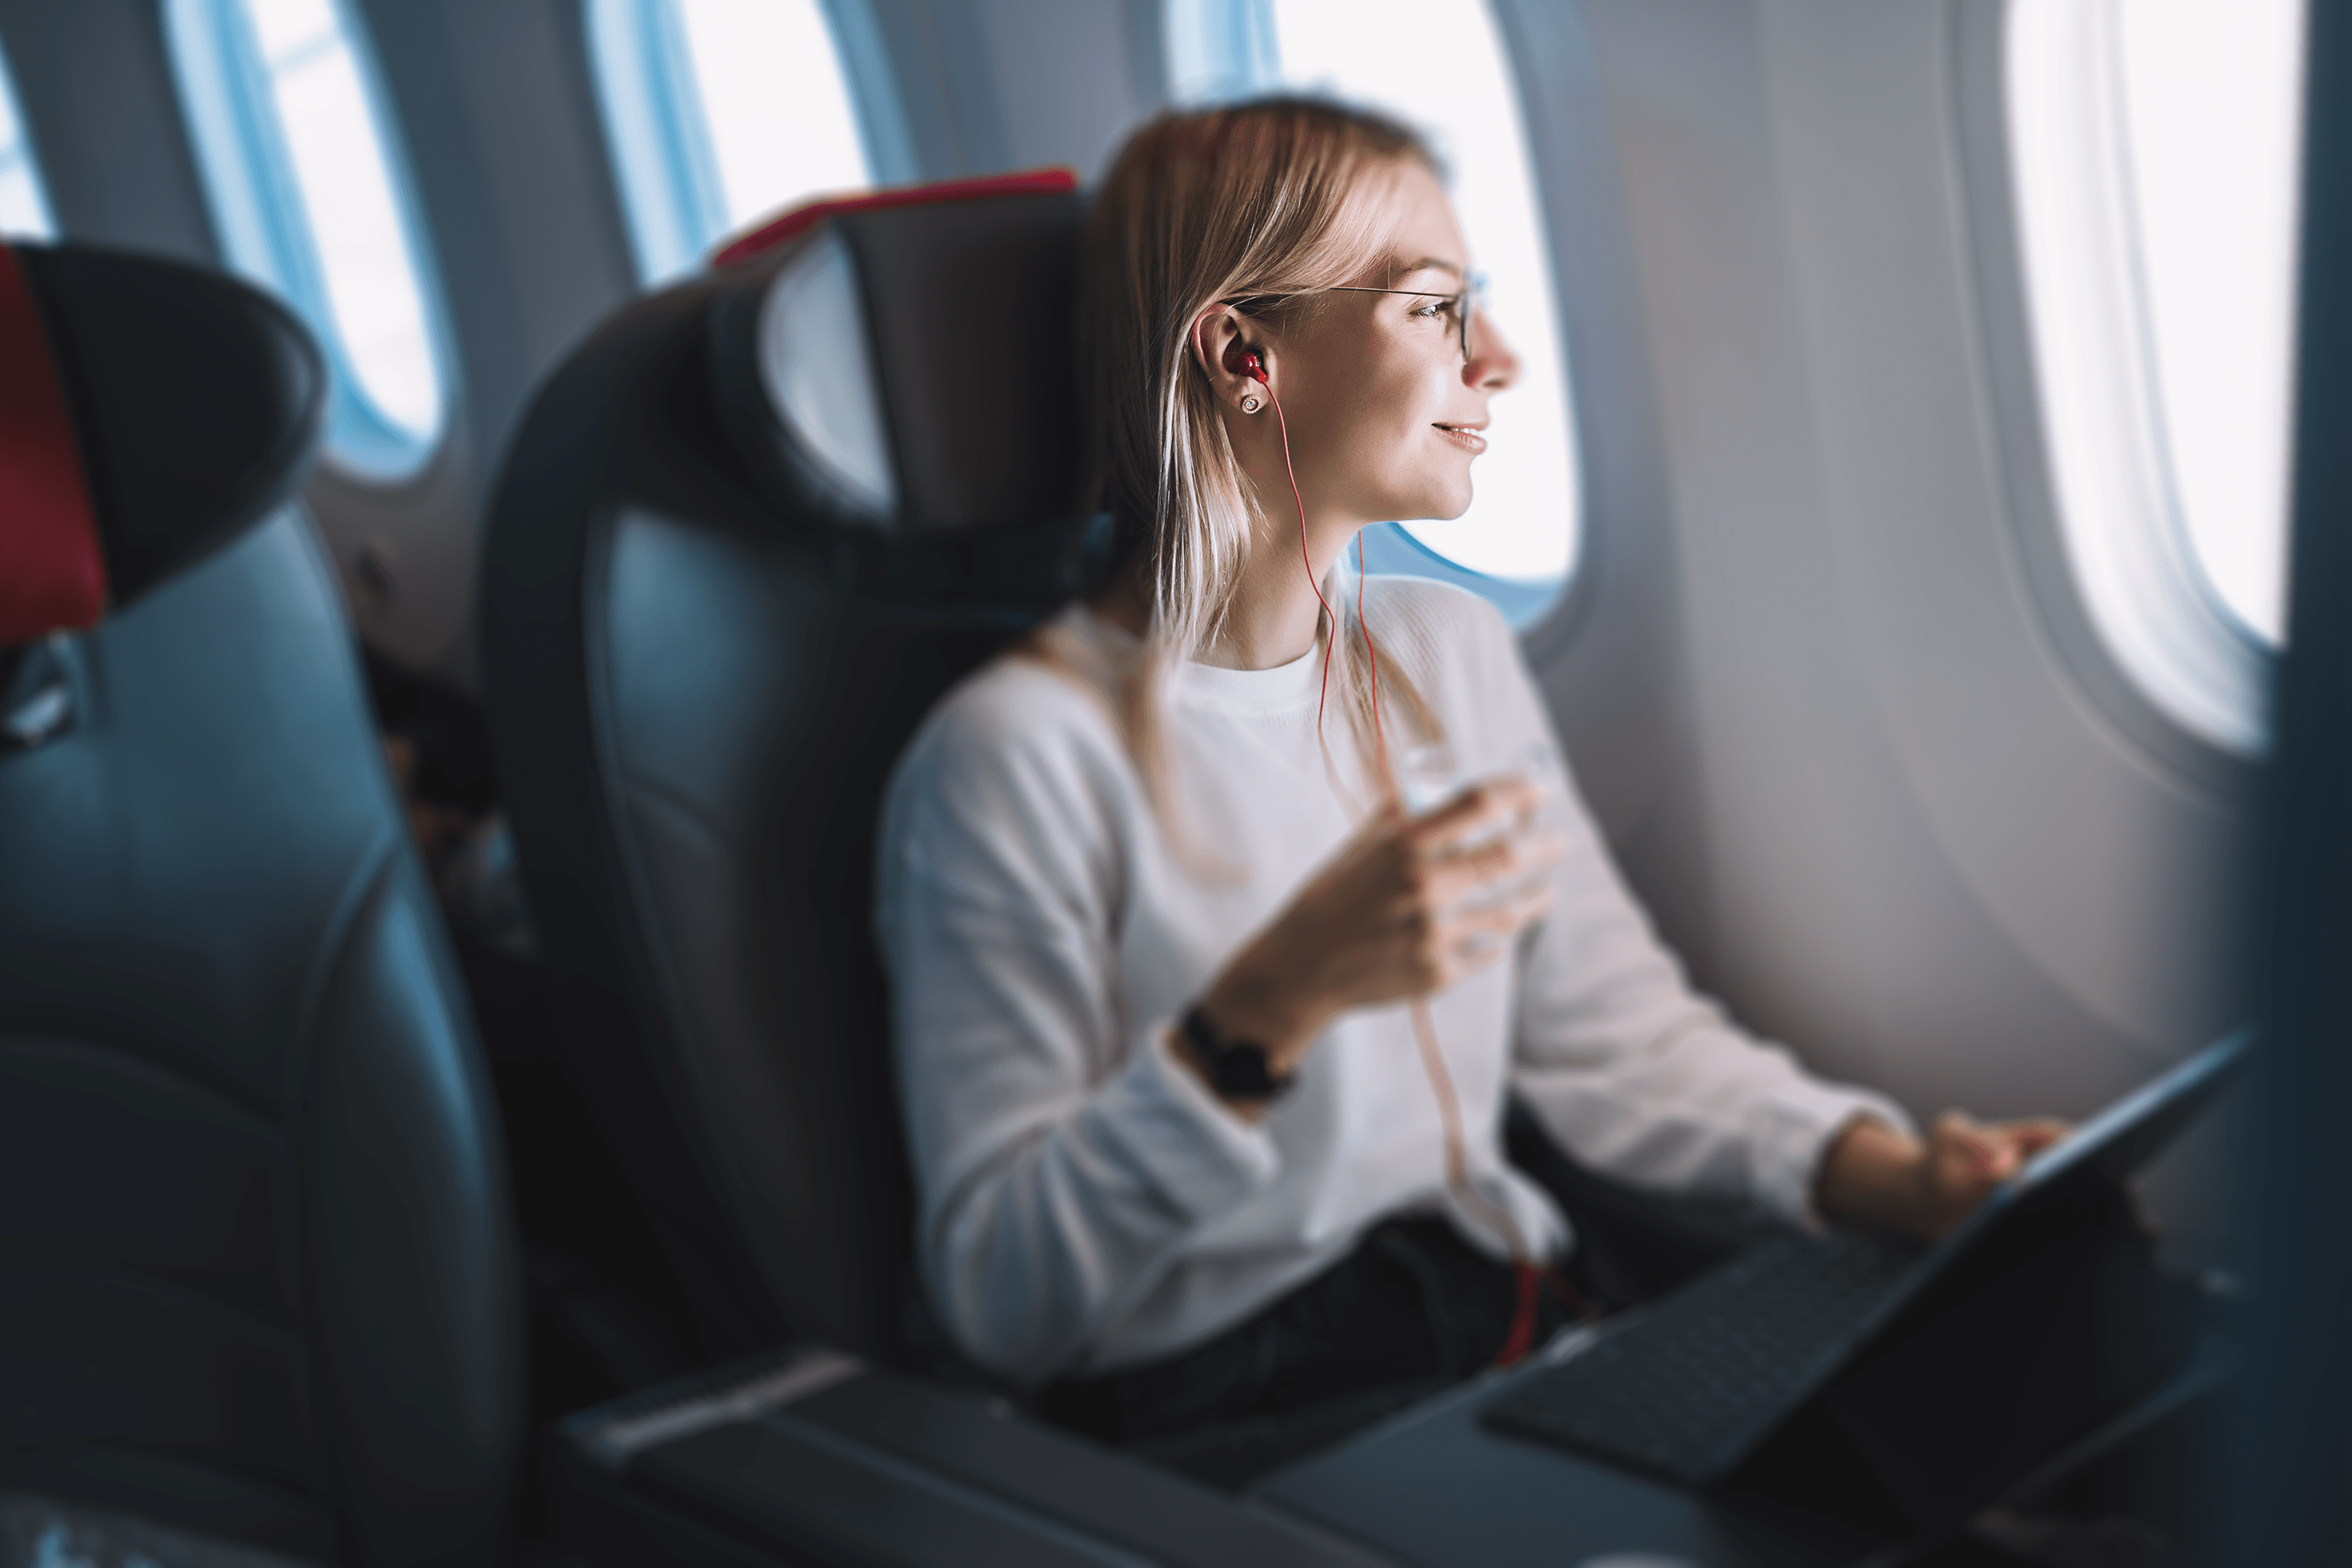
(1449, 503)
(1433, 498)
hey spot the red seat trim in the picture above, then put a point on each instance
(52, 568)
(796, 221)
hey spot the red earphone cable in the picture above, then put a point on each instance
(1525, 1275)
(1380, 735)
(1324, 695)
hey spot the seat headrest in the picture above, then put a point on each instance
(772, 234)
(904, 363)
(149, 413)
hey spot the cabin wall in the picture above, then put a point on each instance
(94, 83)
(1881, 805)
(505, 151)
(987, 85)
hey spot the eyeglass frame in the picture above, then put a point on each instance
(1465, 300)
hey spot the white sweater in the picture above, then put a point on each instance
(1085, 1203)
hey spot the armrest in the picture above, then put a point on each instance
(812, 1457)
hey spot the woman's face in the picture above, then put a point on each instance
(1385, 416)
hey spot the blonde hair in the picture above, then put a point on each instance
(1260, 204)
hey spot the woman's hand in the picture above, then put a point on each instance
(1409, 906)
(1872, 1174)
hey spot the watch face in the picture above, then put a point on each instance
(1241, 1071)
(1236, 1068)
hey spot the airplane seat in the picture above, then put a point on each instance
(744, 540)
(256, 1275)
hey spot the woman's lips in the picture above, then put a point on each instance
(1465, 437)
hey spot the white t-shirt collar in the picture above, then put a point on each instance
(1279, 689)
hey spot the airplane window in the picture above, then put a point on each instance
(24, 204)
(718, 112)
(1517, 543)
(293, 139)
(2155, 152)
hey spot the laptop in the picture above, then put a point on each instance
(1919, 1375)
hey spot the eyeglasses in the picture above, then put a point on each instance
(1464, 301)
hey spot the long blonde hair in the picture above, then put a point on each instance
(1257, 203)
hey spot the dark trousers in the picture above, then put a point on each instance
(1412, 1309)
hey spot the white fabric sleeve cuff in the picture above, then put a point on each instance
(1200, 1154)
(1792, 1131)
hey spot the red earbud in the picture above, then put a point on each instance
(1243, 360)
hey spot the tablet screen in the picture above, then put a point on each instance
(2127, 1131)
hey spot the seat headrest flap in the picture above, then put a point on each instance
(906, 366)
(772, 234)
(191, 409)
(52, 569)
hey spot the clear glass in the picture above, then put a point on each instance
(24, 203)
(1427, 776)
(2212, 102)
(720, 112)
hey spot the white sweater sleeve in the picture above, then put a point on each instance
(1633, 1072)
(1060, 1151)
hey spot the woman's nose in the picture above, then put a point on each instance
(1492, 365)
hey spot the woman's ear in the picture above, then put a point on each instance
(1237, 368)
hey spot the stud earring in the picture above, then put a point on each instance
(1251, 405)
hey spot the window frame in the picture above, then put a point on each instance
(262, 224)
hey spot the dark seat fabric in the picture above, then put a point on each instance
(256, 1275)
(745, 538)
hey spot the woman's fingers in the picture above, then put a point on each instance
(1476, 937)
(1409, 904)
(1475, 873)
(2036, 1133)
(1986, 1154)
(1969, 1151)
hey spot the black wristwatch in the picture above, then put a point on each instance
(1238, 1069)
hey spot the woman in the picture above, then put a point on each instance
(1204, 1037)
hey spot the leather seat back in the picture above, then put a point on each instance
(255, 1273)
(745, 538)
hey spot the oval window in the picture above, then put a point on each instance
(302, 173)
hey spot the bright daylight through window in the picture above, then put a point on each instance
(1518, 542)
(719, 112)
(2212, 100)
(300, 167)
(23, 205)
(2155, 155)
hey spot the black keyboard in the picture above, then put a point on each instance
(1687, 1389)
